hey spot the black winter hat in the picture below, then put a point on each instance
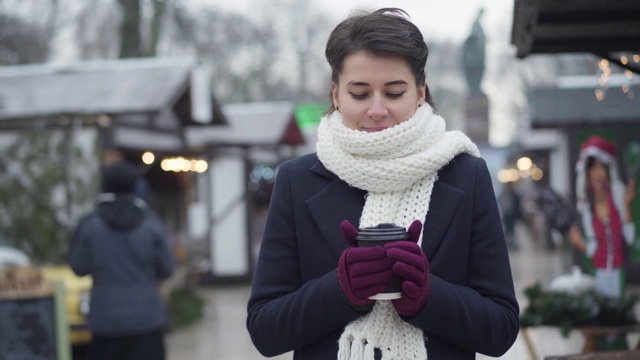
(120, 177)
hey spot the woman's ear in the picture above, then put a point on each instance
(334, 95)
(422, 93)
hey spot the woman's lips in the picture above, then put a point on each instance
(374, 128)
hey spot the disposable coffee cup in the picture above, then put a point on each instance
(379, 236)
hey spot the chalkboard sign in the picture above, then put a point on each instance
(34, 327)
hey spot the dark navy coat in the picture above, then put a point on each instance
(125, 248)
(296, 302)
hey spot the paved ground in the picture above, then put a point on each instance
(222, 334)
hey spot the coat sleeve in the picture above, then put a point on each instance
(79, 255)
(286, 313)
(480, 313)
(165, 262)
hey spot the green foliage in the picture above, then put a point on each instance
(45, 181)
(568, 311)
(632, 167)
(185, 307)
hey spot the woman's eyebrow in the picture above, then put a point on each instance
(390, 83)
(396, 82)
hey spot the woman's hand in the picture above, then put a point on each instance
(410, 263)
(362, 271)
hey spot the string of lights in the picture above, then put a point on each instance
(605, 77)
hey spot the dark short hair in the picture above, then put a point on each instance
(120, 178)
(384, 32)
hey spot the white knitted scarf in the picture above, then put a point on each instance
(398, 167)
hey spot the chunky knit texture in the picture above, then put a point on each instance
(398, 167)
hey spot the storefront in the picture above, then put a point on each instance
(60, 124)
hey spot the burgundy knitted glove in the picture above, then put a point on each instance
(362, 271)
(411, 264)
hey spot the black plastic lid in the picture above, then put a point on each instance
(382, 232)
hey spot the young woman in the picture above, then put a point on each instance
(383, 156)
(604, 205)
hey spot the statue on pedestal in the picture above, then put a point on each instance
(477, 104)
(473, 55)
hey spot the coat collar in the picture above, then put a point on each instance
(339, 201)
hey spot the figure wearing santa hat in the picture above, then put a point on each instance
(604, 205)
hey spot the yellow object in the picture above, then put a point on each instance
(77, 290)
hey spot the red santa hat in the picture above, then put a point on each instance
(599, 148)
(604, 151)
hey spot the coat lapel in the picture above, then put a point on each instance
(335, 202)
(442, 206)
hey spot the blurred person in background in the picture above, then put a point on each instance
(123, 245)
(509, 201)
(383, 156)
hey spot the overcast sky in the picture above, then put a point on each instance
(449, 19)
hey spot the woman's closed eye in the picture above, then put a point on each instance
(359, 96)
(390, 95)
(395, 95)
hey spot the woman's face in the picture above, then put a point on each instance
(598, 176)
(375, 93)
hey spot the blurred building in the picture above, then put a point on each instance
(243, 158)
(564, 114)
(608, 30)
(201, 161)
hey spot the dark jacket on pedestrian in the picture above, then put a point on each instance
(124, 246)
(296, 302)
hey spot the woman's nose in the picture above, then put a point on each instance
(377, 109)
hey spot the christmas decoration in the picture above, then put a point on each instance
(568, 310)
